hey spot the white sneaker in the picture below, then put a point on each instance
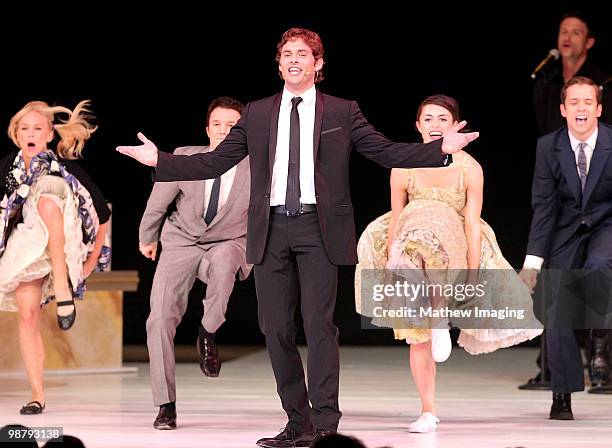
(427, 422)
(441, 344)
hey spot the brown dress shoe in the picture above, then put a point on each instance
(166, 418)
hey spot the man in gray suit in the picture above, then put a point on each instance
(204, 238)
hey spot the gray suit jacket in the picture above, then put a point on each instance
(185, 226)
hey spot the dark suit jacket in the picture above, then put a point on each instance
(559, 205)
(339, 129)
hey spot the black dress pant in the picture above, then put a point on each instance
(295, 262)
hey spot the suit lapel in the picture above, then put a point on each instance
(598, 162)
(273, 133)
(567, 159)
(318, 122)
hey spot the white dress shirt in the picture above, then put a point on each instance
(280, 170)
(227, 180)
(533, 261)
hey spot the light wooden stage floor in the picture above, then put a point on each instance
(478, 404)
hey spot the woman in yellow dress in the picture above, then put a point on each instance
(432, 232)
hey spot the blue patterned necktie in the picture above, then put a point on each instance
(582, 164)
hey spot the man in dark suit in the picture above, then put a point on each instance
(575, 40)
(572, 230)
(301, 224)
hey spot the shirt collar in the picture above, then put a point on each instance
(591, 141)
(308, 97)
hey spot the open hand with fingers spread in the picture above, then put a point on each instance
(145, 153)
(454, 141)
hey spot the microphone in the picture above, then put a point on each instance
(552, 54)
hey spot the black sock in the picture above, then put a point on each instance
(171, 405)
(206, 333)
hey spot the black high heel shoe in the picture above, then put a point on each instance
(65, 322)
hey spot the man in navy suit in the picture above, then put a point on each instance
(575, 41)
(300, 225)
(571, 230)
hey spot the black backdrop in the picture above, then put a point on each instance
(156, 71)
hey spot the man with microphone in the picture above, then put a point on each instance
(552, 54)
(570, 58)
(576, 37)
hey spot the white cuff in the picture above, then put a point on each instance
(533, 262)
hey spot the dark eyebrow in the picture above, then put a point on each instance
(439, 115)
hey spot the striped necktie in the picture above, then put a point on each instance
(582, 164)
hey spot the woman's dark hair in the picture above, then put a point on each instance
(448, 103)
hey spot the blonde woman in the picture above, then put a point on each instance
(53, 222)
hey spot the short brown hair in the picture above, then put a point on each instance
(225, 102)
(583, 18)
(310, 38)
(447, 102)
(584, 81)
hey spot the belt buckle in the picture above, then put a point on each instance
(299, 212)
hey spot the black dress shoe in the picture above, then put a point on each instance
(210, 363)
(537, 383)
(166, 418)
(561, 408)
(288, 438)
(320, 434)
(601, 389)
(599, 367)
(65, 322)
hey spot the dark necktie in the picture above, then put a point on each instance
(213, 202)
(582, 164)
(292, 198)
